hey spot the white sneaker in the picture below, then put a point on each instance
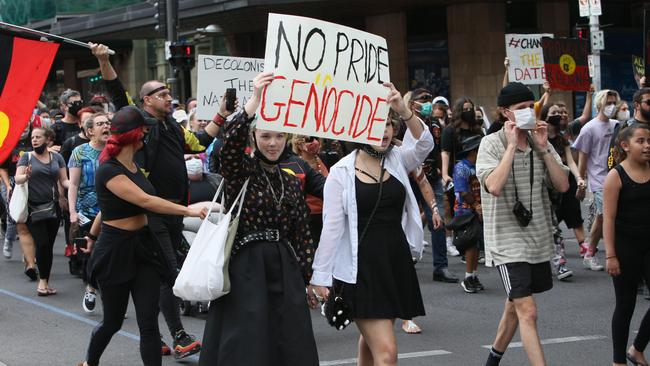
(592, 263)
(7, 249)
(452, 251)
(89, 301)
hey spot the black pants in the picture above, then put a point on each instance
(634, 258)
(144, 290)
(169, 230)
(44, 234)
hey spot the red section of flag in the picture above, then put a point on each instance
(30, 64)
(565, 62)
(558, 80)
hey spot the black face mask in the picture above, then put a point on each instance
(468, 116)
(554, 120)
(40, 149)
(75, 107)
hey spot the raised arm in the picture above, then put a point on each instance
(114, 86)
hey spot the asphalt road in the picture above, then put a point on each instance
(574, 321)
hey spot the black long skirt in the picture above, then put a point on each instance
(264, 320)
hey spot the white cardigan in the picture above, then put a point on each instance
(338, 248)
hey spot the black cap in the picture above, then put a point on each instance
(470, 143)
(514, 93)
(129, 118)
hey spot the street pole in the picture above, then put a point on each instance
(594, 26)
(172, 37)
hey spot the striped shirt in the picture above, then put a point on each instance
(505, 240)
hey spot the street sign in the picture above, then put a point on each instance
(168, 52)
(583, 5)
(594, 7)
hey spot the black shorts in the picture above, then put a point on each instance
(568, 210)
(521, 279)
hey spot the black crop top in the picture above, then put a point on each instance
(111, 206)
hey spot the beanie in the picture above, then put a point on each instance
(514, 93)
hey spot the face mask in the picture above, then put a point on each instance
(46, 121)
(40, 149)
(623, 115)
(554, 120)
(609, 111)
(313, 147)
(468, 116)
(525, 118)
(75, 107)
(426, 109)
(480, 121)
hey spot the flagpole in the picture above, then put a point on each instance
(48, 35)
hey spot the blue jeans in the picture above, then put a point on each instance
(10, 235)
(438, 237)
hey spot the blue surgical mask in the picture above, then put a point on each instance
(426, 109)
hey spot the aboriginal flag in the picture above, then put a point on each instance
(565, 62)
(24, 66)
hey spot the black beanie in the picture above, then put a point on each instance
(514, 93)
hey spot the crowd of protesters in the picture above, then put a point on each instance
(330, 218)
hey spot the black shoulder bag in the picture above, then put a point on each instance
(44, 211)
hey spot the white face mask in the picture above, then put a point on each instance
(623, 115)
(525, 119)
(609, 111)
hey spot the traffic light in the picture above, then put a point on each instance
(161, 17)
(182, 55)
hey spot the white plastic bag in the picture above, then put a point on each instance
(18, 203)
(204, 275)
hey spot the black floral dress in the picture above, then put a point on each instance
(265, 319)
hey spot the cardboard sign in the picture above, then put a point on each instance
(638, 69)
(526, 58)
(218, 73)
(328, 80)
(565, 61)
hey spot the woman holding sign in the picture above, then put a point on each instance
(371, 224)
(264, 320)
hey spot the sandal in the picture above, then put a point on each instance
(634, 361)
(409, 327)
(51, 291)
(42, 292)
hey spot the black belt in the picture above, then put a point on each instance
(272, 235)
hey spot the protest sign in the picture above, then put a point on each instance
(638, 68)
(328, 80)
(218, 73)
(526, 58)
(565, 61)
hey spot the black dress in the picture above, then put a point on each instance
(387, 286)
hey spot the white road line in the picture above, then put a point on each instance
(349, 361)
(556, 341)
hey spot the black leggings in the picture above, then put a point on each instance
(144, 289)
(44, 234)
(634, 260)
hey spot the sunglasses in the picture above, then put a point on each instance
(646, 102)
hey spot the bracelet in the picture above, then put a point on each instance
(406, 119)
(610, 257)
(219, 120)
(91, 236)
(434, 208)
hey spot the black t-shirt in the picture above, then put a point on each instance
(451, 143)
(112, 206)
(559, 143)
(495, 127)
(10, 163)
(167, 171)
(64, 131)
(201, 191)
(70, 144)
(433, 162)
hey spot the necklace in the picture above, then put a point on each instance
(278, 202)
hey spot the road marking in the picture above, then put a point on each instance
(556, 341)
(348, 361)
(74, 316)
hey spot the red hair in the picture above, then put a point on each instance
(117, 141)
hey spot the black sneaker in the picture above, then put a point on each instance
(477, 284)
(185, 345)
(468, 285)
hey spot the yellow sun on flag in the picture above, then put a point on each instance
(4, 127)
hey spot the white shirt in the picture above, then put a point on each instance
(336, 256)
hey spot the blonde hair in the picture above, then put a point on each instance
(601, 98)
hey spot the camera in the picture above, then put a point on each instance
(522, 214)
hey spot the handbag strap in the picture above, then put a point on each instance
(239, 200)
(214, 199)
(530, 178)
